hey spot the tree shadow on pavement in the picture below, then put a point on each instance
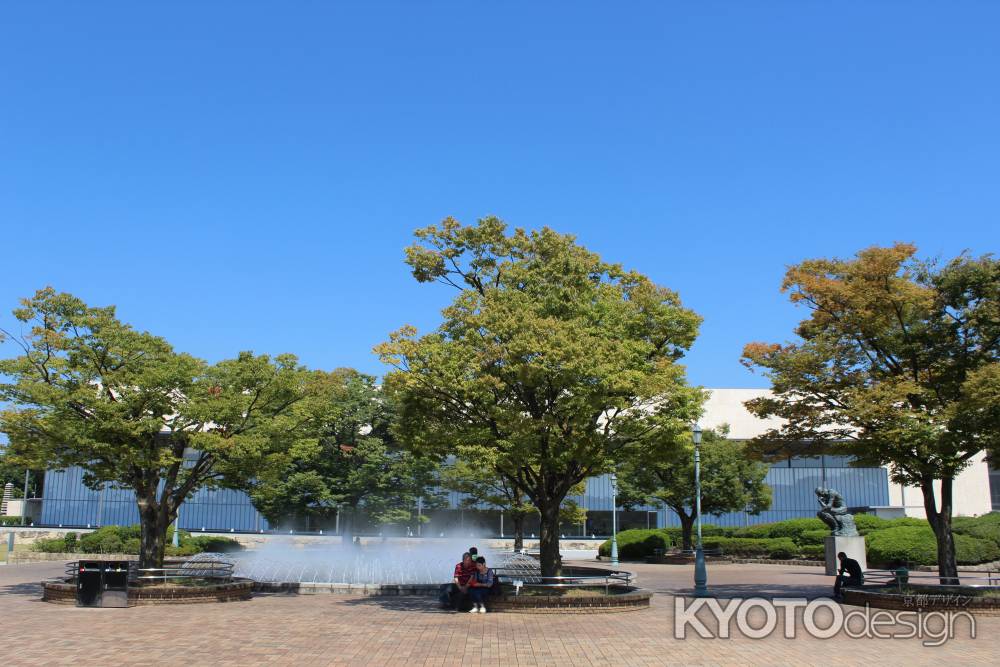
(412, 603)
(32, 588)
(766, 591)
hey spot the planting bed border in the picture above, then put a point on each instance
(63, 591)
(951, 598)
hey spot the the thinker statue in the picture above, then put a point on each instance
(834, 513)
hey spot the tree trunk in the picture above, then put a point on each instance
(549, 539)
(687, 528)
(153, 523)
(940, 521)
(518, 519)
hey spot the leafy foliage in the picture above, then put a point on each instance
(986, 527)
(638, 543)
(126, 540)
(89, 390)
(356, 462)
(897, 364)
(549, 359)
(915, 545)
(730, 481)
(773, 547)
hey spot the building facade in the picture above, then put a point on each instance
(67, 502)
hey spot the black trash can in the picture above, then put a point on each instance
(88, 583)
(115, 589)
(102, 583)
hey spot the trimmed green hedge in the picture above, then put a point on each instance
(890, 542)
(751, 547)
(126, 540)
(916, 545)
(10, 520)
(638, 544)
(791, 528)
(985, 527)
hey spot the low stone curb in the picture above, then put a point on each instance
(61, 591)
(634, 600)
(949, 600)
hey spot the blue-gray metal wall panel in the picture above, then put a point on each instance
(68, 502)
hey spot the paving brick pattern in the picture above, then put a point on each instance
(343, 630)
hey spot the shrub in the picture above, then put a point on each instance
(10, 520)
(102, 541)
(182, 550)
(223, 544)
(985, 527)
(55, 545)
(916, 545)
(71, 540)
(812, 538)
(748, 547)
(632, 544)
(792, 528)
(707, 530)
(813, 551)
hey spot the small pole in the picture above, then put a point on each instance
(177, 528)
(24, 500)
(614, 519)
(700, 571)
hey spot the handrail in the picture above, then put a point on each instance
(531, 580)
(204, 569)
(904, 577)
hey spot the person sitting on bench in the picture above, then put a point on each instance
(458, 594)
(850, 574)
(481, 585)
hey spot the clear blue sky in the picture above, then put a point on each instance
(246, 175)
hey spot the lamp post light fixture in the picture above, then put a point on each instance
(700, 573)
(614, 519)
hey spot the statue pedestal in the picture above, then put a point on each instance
(854, 547)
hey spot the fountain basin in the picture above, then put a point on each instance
(315, 588)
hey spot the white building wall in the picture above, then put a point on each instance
(970, 492)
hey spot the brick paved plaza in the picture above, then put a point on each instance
(334, 630)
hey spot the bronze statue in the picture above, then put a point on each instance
(834, 513)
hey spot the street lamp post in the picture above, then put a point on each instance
(177, 528)
(700, 573)
(614, 519)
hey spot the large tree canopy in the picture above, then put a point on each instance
(356, 464)
(89, 390)
(549, 357)
(898, 363)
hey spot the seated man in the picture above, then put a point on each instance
(853, 577)
(458, 593)
(481, 585)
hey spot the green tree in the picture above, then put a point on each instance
(473, 476)
(897, 363)
(89, 390)
(730, 480)
(355, 466)
(550, 357)
(13, 473)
